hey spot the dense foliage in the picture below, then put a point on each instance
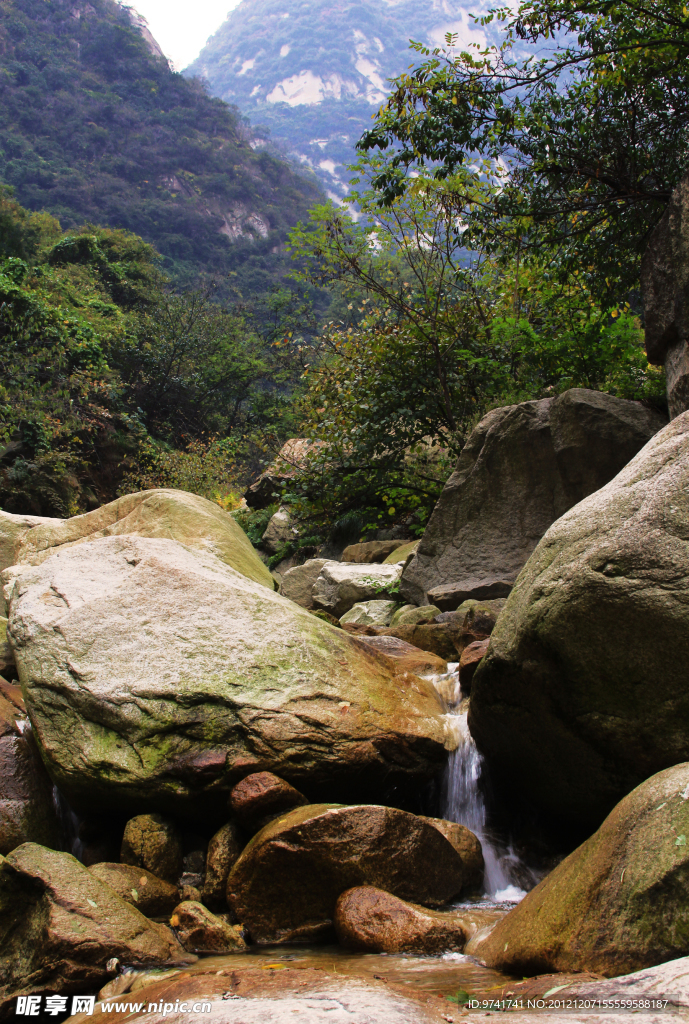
(437, 339)
(94, 127)
(110, 381)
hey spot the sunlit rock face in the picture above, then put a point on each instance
(314, 72)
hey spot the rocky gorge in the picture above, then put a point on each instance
(206, 765)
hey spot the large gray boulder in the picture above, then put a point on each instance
(618, 903)
(521, 469)
(584, 691)
(157, 677)
(665, 288)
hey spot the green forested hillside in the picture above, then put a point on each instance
(94, 127)
(314, 72)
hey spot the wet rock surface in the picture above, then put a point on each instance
(285, 885)
(618, 903)
(561, 705)
(472, 656)
(522, 467)
(467, 845)
(172, 708)
(408, 657)
(371, 920)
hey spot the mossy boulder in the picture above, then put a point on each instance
(619, 903)
(157, 677)
(584, 690)
(165, 513)
(59, 926)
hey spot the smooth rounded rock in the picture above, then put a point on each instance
(341, 585)
(618, 903)
(153, 896)
(408, 657)
(285, 885)
(584, 691)
(262, 796)
(472, 656)
(157, 677)
(153, 843)
(412, 616)
(371, 551)
(522, 467)
(371, 920)
(195, 522)
(297, 583)
(224, 851)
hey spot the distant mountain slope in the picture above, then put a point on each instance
(315, 71)
(94, 126)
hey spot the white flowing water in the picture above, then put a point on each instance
(463, 799)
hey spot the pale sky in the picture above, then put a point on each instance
(183, 26)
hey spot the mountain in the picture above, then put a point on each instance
(313, 72)
(96, 127)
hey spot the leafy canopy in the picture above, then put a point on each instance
(579, 144)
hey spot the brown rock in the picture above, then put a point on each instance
(471, 657)
(373, 921)
(442, 639)
(408, 657)
(150, 895)
(59, 926)
(27, 809)
(152, 842)
(224, 850)
(467, 845)
(260, 797)
(371, 551)
(200, 931)
(285, 885)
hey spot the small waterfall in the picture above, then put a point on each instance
(463, 799)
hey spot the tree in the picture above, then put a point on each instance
(581, 147)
